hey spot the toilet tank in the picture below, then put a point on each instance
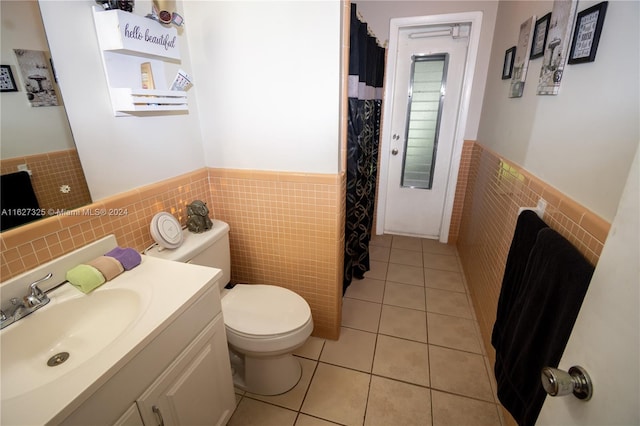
(210, 248)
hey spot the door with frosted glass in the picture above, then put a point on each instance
(427, 89)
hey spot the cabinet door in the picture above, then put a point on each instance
(131, 417)
(197, 388)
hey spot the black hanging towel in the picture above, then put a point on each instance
(524, 237)
(539, 324)
(18, 202)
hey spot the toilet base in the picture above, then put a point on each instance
(265, 376)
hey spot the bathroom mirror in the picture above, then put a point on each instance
(35, 138)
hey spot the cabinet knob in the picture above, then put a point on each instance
(158, 414)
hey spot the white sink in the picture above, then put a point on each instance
(79, 326)
(102, 331)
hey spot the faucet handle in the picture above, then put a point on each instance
(35, 290)
(36, 296)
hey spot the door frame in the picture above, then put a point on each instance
(396, 24)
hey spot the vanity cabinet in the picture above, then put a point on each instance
(181, 377)
(192, 390)
(131, 417)
(127, 41)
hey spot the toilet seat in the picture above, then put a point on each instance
(263, 311)
(265, 319)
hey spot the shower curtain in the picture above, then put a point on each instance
(366, 72)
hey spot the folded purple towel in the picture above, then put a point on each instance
(128, 257)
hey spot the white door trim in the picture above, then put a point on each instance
(475, 19)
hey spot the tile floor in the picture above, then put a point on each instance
(409, 351)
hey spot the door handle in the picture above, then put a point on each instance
(394, 151)
(559, 383)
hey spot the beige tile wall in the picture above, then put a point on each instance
(125, 215)
(49, 172)
(488, 208)
(286, 230)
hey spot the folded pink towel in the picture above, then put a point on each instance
(128, 257)
(108, 266)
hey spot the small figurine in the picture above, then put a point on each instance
(197, 217)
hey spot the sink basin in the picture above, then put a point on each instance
(77, 324)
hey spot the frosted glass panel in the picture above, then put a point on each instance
(423, 119)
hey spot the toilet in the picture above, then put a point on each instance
(264, 323)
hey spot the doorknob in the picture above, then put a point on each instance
(394, 151)
(559, 383)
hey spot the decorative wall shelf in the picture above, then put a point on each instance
(126, 42)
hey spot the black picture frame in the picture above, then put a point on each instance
(540, 32)
(586, 34)
(7, 82)
(507, 66)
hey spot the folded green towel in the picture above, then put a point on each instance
(85, 278)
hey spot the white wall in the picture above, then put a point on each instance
(267, 74)
(27, 130)
(117, 153)
(378, 13)
(581, 141)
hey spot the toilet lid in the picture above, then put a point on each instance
(264, 310)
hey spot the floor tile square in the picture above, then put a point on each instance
(405, 323)
(377, 270)
(311, 348)
(453, 332)
(366, 289)
(360, 314)
(379, 253)
(459, 372)
(436, 247)
(292, 399)
(406, 257)
(404, 295)
(381, 240)
(402, 360)
(396, 403)
(441, 261)
(256, 413)
(405, 274)
(444, 280)
(453, 410)
(448, 303)
(407, 243)
(337, 394)
(354, 350)
(306, 420)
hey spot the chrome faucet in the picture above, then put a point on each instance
(34, 300)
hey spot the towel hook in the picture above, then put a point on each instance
(559, 383)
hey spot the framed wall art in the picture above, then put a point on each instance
(36, 77)
(540, 31)
(7, 82)
(507, 66)
(587, 34)
(557, 46)
(521, 63)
